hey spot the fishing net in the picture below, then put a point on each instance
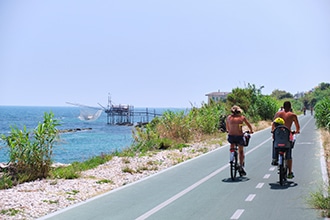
(89, 114)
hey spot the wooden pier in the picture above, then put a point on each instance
(124, 114)
(121, 114)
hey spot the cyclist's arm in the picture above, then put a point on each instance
(296, 124)
(248, 124)
(227, 124)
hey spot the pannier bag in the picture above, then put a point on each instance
(246, 138)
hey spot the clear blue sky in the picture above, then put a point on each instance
(164, 53)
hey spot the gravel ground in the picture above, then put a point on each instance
(36, 199)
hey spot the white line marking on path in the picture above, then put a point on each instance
(266, 176)
(250, 198)
(260, 185)
(180, 194)
(272, 168)
(237, 214)
(193, 186)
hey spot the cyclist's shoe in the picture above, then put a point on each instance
(290, 175)
(274, 162)
(242, 172)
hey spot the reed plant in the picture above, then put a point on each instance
(322, 113)
(30, 152)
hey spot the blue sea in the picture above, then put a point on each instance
(72, 146)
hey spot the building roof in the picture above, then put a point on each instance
(219, 94)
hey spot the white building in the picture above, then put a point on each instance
(216, 96)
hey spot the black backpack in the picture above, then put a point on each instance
(281, 136)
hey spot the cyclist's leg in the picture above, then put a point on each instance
(288, 157)
(274, 155)
(241, 159)
(231, 150)
(241, 155)
(232, 141)
(290, 165)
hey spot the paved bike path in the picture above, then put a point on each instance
(201, 188)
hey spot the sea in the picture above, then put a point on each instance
(96, 138)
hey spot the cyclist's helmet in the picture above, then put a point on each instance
(279, 121)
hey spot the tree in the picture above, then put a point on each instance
(281, 94)
(240, 97)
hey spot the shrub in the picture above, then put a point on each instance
(175, 129)
(322, 113)
(266, 107)
(30, 153)
(6, 181)
(69, 172)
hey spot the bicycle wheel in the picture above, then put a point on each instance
(281, 174)
(282, 170)
(285, 170)
(233, 167)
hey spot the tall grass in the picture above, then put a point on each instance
(321, 202)
(30, 152)
(322, 113)
(175, 129)
(319, 199)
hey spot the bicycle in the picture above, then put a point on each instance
(234, 165)
(281, 147)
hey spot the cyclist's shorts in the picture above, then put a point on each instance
(288, 154)
(233, 139)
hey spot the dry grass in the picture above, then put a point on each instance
(261, 125)
(258, 126)
(326, 145)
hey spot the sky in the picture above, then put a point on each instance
(164, 53)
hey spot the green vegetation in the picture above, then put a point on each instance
(104, 181)
(51, 201)
(321, 202)
(30, 152)
(174, 130)
(322, 113)
(320, 99)
(73, 170)
(73, 192)
(6, 181)
(10, 212)
(255, 105)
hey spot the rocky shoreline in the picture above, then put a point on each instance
(36, 199)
